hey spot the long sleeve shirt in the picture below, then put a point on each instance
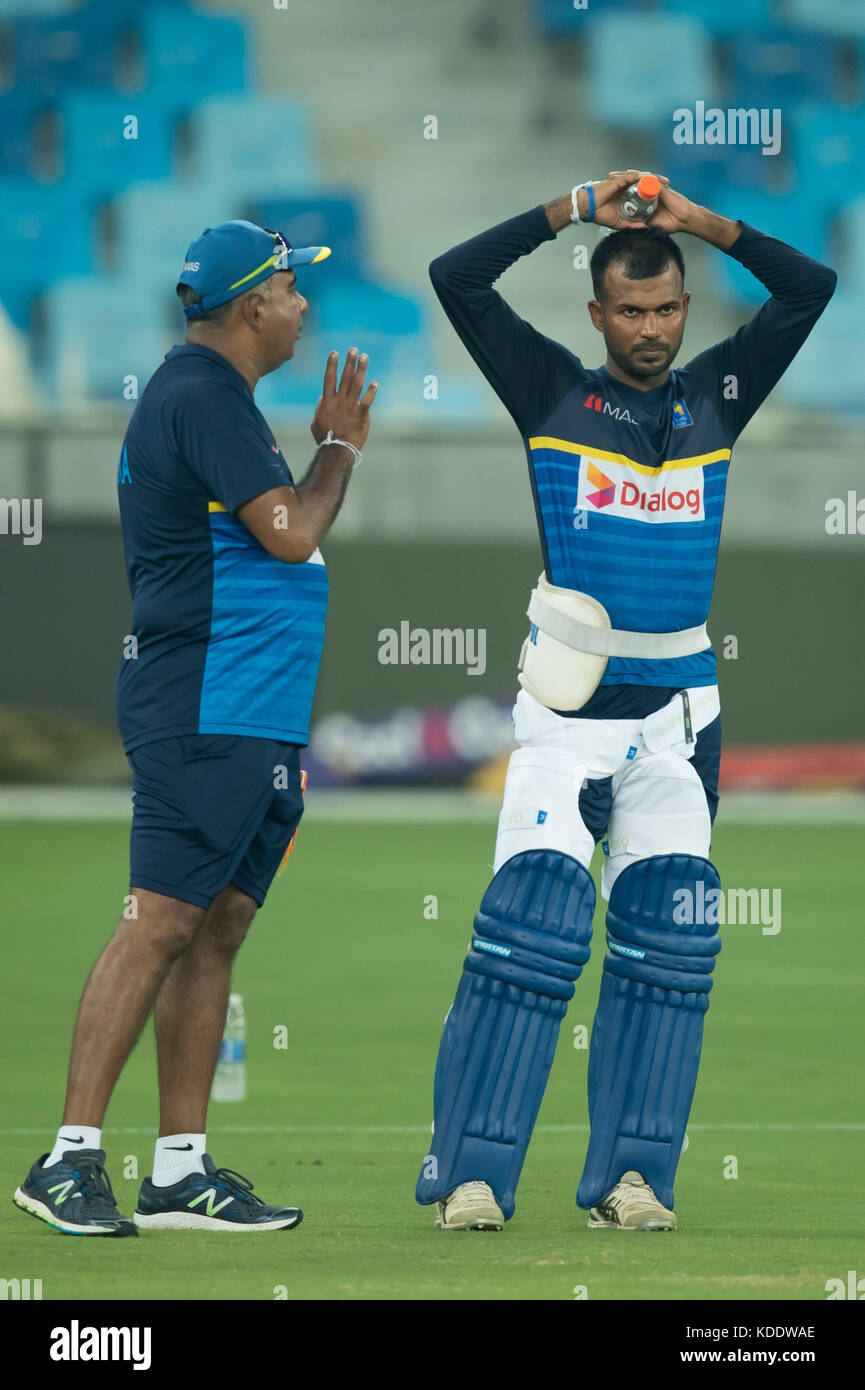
(629, 485)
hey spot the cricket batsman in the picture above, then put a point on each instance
(213, 701)
(618, 718)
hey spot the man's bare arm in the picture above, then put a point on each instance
(290, 522)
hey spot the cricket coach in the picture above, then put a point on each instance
(618, 717)
(213, 702)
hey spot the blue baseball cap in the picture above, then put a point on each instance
(228, 260)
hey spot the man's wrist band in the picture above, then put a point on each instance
(329, 439)
(590, 198)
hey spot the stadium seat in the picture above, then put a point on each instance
(80, 47)
(727, 17)
(788, 218)
(101, 330)
(828, 154)
(44, 235)
(103, 151)
(190, 56)
(826, 373)
(253, 145)
(852, 222)
(560, 19)
(12, 9)
(154, 224)
(352, 306)
(704, 172)
(318, 219)
(841, 17)
(642, 67)
(20, 110)
(784, 67)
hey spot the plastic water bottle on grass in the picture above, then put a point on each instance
(229, 1081)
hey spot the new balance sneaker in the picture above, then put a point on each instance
(631, 1206)
(216, 1200)
(74, 1196)
(470, 1207)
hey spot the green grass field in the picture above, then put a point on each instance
(338, 1122)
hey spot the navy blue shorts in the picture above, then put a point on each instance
(209, 810)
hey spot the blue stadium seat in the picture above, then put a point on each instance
(254, 145)
(828, 154)
(784, 67)
(44, 235)
(20, 109)
(642, 67)
(704, 172)
(852, 222)
(559, 18)
(790, 218)
(826, 373)
(13, 9)
(357, 307)
(190, 56)
(723, 17)
(100, 330)
(155, 222)
(318, 219)
(99, 158)
(80, 47)
(841, 17)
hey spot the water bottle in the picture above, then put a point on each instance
(640, 199)
(229, 1081)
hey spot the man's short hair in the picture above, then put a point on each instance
(641, 252)
(187, 295)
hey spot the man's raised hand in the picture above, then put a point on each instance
(341, 407)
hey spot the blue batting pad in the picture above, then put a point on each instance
(531, 940)
(645, 1050)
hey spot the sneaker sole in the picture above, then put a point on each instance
(593, 1224)
(477, 1223)
(33, 1207)
(192, 1221)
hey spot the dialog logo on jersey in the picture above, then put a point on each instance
(672, 495)
(606, 488)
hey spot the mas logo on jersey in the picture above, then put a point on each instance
(617, 412)
(674, 494)
(680, 414)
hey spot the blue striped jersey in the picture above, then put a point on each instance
(629, 484)
(226, 638)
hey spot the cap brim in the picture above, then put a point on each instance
(307, 255)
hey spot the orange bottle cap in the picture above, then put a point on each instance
(648, 186)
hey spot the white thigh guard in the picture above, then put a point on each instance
(541, 806)
(659, 807)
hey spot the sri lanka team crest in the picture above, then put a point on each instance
(619, 489)
(681, 415)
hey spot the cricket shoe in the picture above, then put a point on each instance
(631, 1206)
(74, 1196)
(216, 1200)
(470, 1207)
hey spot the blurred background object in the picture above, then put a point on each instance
(391, 132)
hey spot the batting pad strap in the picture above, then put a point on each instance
(613, 641)
(531, 939)
(648, 1029)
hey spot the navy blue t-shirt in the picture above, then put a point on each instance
(228, 639)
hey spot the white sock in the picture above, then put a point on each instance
(176, 1156)
(73, 1137)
